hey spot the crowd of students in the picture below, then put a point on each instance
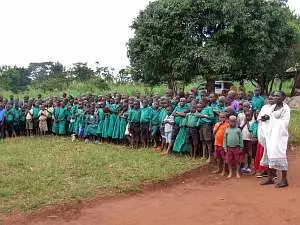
(224, 127)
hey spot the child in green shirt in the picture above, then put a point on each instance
(233, 146)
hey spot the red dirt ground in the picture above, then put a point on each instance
(196, 198)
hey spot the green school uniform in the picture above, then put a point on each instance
(162, 115)
(192, 120)
(35, 112)
(100, 114)
(181, 142)
(233, 138)
(123, 124)
(10, 116)
(55, 127)
(146, 114)
(257, 102)
(178, 119)
(217, 109)
(62, 119)
(91, 125)
(79, 120)
(208, 111)
(105, 125)
(72, 119)
(134, 115)
(253, 129)
(112, 120)
(155, 121)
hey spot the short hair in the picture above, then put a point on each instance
(232, 117)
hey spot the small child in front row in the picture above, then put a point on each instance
(167, 128)
(219, 131)
(233, 146)
(43, 115)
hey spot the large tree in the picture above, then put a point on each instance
(15, 79)
(176, 40)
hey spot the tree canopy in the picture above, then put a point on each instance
(177, 40)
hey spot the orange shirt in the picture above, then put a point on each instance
(219, 131)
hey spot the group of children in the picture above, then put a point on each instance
(190, 123)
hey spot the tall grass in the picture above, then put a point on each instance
(76, 88)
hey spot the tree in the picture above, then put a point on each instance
(81, 71)
(125, 75)
(176, 40)
(40, 71)
(15, 79)
(105, 72)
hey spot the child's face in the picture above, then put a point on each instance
(232, 123)
(169, 110)
(246, 107)
(222, 117)
(193, 109)
(249, 116)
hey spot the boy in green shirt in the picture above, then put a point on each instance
(134, 116)
(233, 146)
(179, 114)
(145, 123)
(193, 132)
(206, 117)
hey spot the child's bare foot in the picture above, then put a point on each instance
(216, 171)
(238, 176)
(229, 176)
(223, 173)
(208, 160)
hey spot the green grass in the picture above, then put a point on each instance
(295, 127)
(40, 171)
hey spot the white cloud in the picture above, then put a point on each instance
(69, 30)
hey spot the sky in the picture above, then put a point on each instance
(70, 31)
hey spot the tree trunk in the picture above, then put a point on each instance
(296, 85)
(210, 85)
(271, 86)
(280, 85)
(172, 86)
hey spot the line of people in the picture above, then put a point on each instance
(194, 123)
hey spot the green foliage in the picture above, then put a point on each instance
(176, 40)
(41, 171)
(294, 128)
(14, 79)
(81, 71)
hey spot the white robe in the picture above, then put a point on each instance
(276, 138)
(263, 126)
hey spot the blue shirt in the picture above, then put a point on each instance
(2, 113)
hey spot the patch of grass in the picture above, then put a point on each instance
(40, 171)
(294, 129)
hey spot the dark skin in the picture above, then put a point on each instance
(278, 98)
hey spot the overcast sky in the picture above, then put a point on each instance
(69, 30)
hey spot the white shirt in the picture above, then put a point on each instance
(168, 126)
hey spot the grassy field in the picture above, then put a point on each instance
(295, 127)
(39, 171)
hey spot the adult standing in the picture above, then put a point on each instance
(275, 154)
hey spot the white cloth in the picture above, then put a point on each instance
(277, 138)
(263, 126)
(245, 131)
(169, 127)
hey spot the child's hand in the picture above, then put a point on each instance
(225, 149)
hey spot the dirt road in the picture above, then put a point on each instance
(199, 199)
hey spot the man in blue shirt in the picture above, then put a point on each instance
(2, 119)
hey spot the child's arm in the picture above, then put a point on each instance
(241, 140)
(225, 141)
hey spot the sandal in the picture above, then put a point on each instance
(282, 184)
(267, 182)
